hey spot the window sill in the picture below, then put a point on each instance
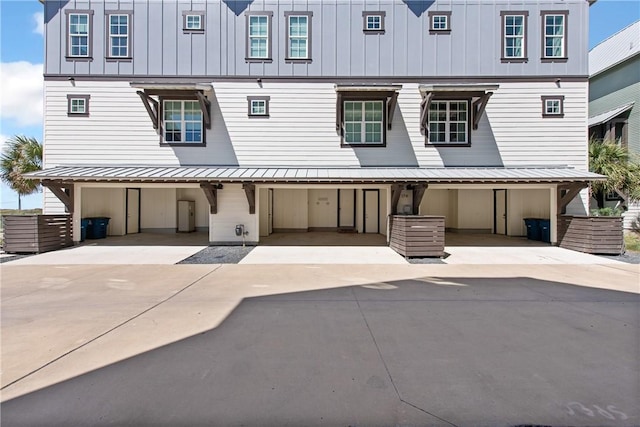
(183, 144)
(77, 114)
(258, 116)
(558, 59)
(551, 116)
(79, 58)
(373, 31)
(188, 31)
(432, 31)
(356, 145)
(447, 144)
(517, 60)
(118, 59)
(268, 60)
(298, 61)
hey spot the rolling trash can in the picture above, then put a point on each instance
(544, 227)
(84, 224)
(533, 228)
(97, 228)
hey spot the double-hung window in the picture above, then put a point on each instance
(554, 39)
(514, 36)
(259, 36)
(79, 28)
(182, 122)
(449, 122)
(119, 35)
(298, 36)
(364, 122)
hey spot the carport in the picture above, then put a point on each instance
(244, 205)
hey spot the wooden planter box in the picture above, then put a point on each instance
(591, 234)
(417, 235)
(36, 233)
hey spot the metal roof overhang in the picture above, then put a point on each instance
(471, 87)
(608, 115)
(371, 175)
(171, 86)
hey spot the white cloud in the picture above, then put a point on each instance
(3, 139)
(21, 85)
(38, 19)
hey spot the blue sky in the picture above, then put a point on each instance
(21, 54)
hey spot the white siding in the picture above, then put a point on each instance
(301, 129)
(233, 209)
(105, 202)
(526, 204)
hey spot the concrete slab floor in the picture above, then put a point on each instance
(465, 345)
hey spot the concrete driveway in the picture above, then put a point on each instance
(369, 345)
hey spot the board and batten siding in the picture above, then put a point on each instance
(339, 47)
(301, 129)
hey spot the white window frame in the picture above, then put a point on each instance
(182, 122)
(562, 37)
(300, 38)
(78, 105)
(258, 106)
(371, 24)
(266, 38)
(438, 26)
(86, 35)
(188, 25)
(112, 36)
(522, 37)
(363, 122)
(435, 120)
(379, 29)
(549, 104)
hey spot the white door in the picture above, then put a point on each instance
(500, 210)
(371, 211)
(347, 208)
(133, 210)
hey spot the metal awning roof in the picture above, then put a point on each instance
(455, 87)
(225, 174)
(608, 115)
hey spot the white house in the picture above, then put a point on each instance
(315, 115)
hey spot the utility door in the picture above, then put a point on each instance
(371, 211)
(500, 212)
(347, 208)
(133, 210)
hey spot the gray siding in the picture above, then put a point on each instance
(339, 46)
(616, 87)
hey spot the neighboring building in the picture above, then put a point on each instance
(614, 97)
(315, 115)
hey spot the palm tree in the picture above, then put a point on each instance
(622, 172)
(20, 155)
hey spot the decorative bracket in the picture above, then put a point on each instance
(418, 192)
(396, 190)
(570, 191)
(64, 192)
(250, 191)
(424, 113)
(478, 108)
(151, 106)
(211, 192)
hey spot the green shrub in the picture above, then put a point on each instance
(607, 212)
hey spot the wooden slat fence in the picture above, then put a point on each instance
(36, 233)
(591, 234)
(417, 235)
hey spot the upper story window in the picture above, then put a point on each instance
(373, 22)
(554, 39)
(79, 36)
(259, 36)
(78, 105)
(514, 36)
(449, 122)
(552, 106)
(193, 22)
(119, 35)
(258, 106)
(182, 121)
(363, 122)
(298, 39)
(439, 22)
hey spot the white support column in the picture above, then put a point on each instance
(77, 212)
(553, 214)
